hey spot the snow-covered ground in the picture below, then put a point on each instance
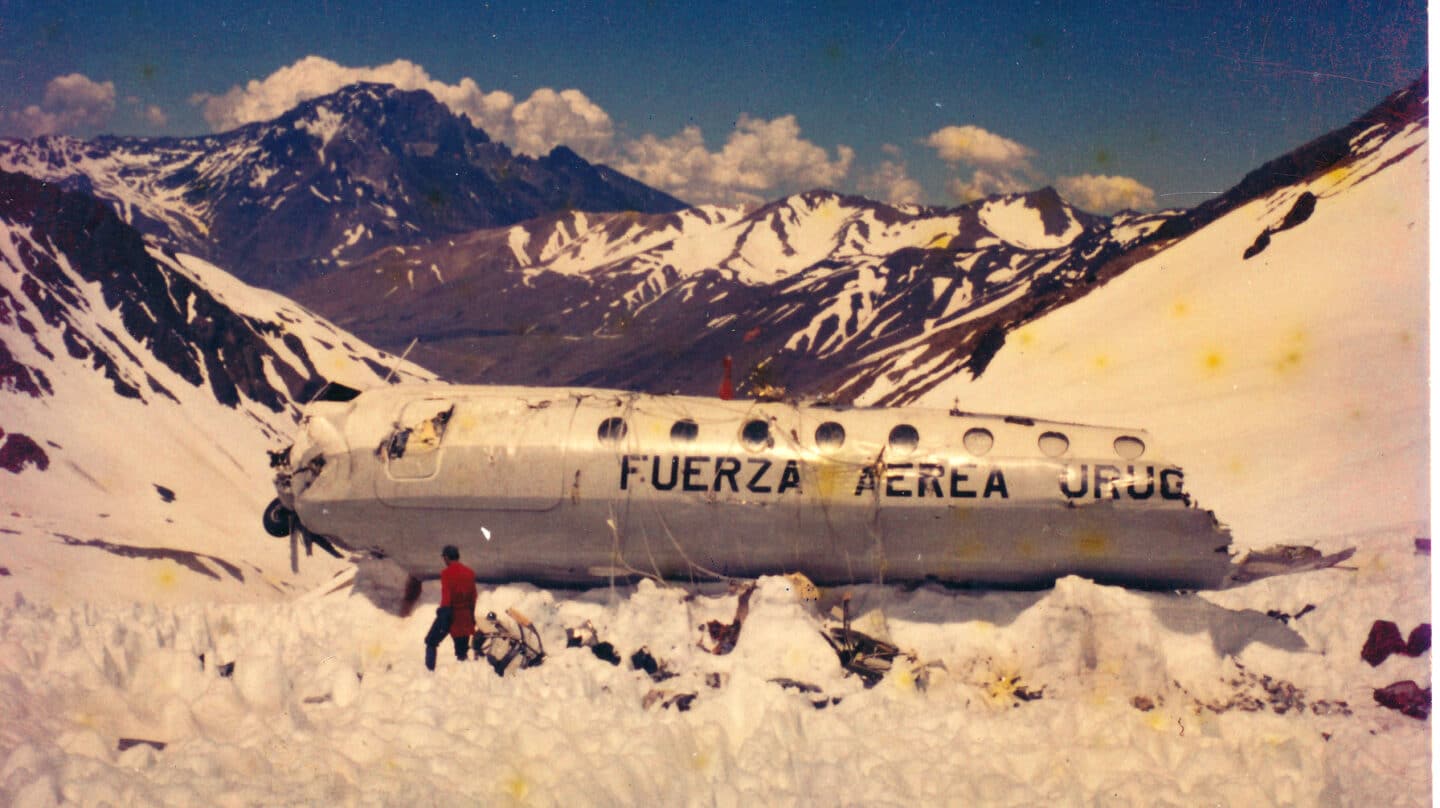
(1079, 695)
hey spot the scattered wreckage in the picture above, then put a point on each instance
(583, 486)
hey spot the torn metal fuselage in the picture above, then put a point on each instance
(577, 486)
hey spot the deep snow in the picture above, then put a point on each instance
(1142, 700)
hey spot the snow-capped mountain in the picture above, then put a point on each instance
(803, 292)
(817, 294)
(334, 178)
(140, 390)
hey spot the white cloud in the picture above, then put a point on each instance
(759, 158)
(548, 119)
(71, 102)
(155, 116)
(985, 183)
(1000, 165)
(314, 76)
(975, 146)
(1105, 194)
(891, 182)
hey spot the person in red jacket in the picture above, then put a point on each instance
(456, 613)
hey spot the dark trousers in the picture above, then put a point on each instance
(438, 630)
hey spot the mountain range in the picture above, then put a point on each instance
(116, 344)
(400, 221)
(335, 178)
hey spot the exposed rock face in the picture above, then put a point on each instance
(334, 178)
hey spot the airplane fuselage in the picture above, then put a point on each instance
(575, 485)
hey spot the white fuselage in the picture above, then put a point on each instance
(574, 485)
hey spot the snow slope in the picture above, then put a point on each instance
(146, 387)
(1291, 385)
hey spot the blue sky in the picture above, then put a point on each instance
(1141, 104)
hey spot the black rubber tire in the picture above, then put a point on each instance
(277, 519)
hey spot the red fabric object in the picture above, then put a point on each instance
(1383, 641)
(1419, 641)
(727, 388)
(457, 590)
(1407, 697)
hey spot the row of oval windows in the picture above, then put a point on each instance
(904, 438)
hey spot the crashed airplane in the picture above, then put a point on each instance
(583, 486)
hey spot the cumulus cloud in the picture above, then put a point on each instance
(155, 116)
(975, 146)
(1105, 194)
(891, 182)
(72, 102)
(548, 119)
(998, 164)
(759, 157)
(314, 76)
(983, 183)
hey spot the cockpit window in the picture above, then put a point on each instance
(612, 430)
(684, 431)
(335, 391)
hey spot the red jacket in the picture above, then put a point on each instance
(457, 590)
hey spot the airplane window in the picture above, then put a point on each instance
(684, 431)
(904, 438)
(756, 435)
(978, 441)
(830, 436)
(1129, 447)
(1054, 444)
(612, 430)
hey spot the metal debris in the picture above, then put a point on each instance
(501, 645)
(865, 656)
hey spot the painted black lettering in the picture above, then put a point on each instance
(895, 475)
(956, 478)
(1149, 480)
(1084, 482)
(1175, 491)
(930, 474)
(995, 483)
(692, 470)
(754, 484)
(655, 474)
(725, 469)
(789, 478)
(867, 480)
(626, 469)
(1105, 477)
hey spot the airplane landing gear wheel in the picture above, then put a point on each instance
(277, 519)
